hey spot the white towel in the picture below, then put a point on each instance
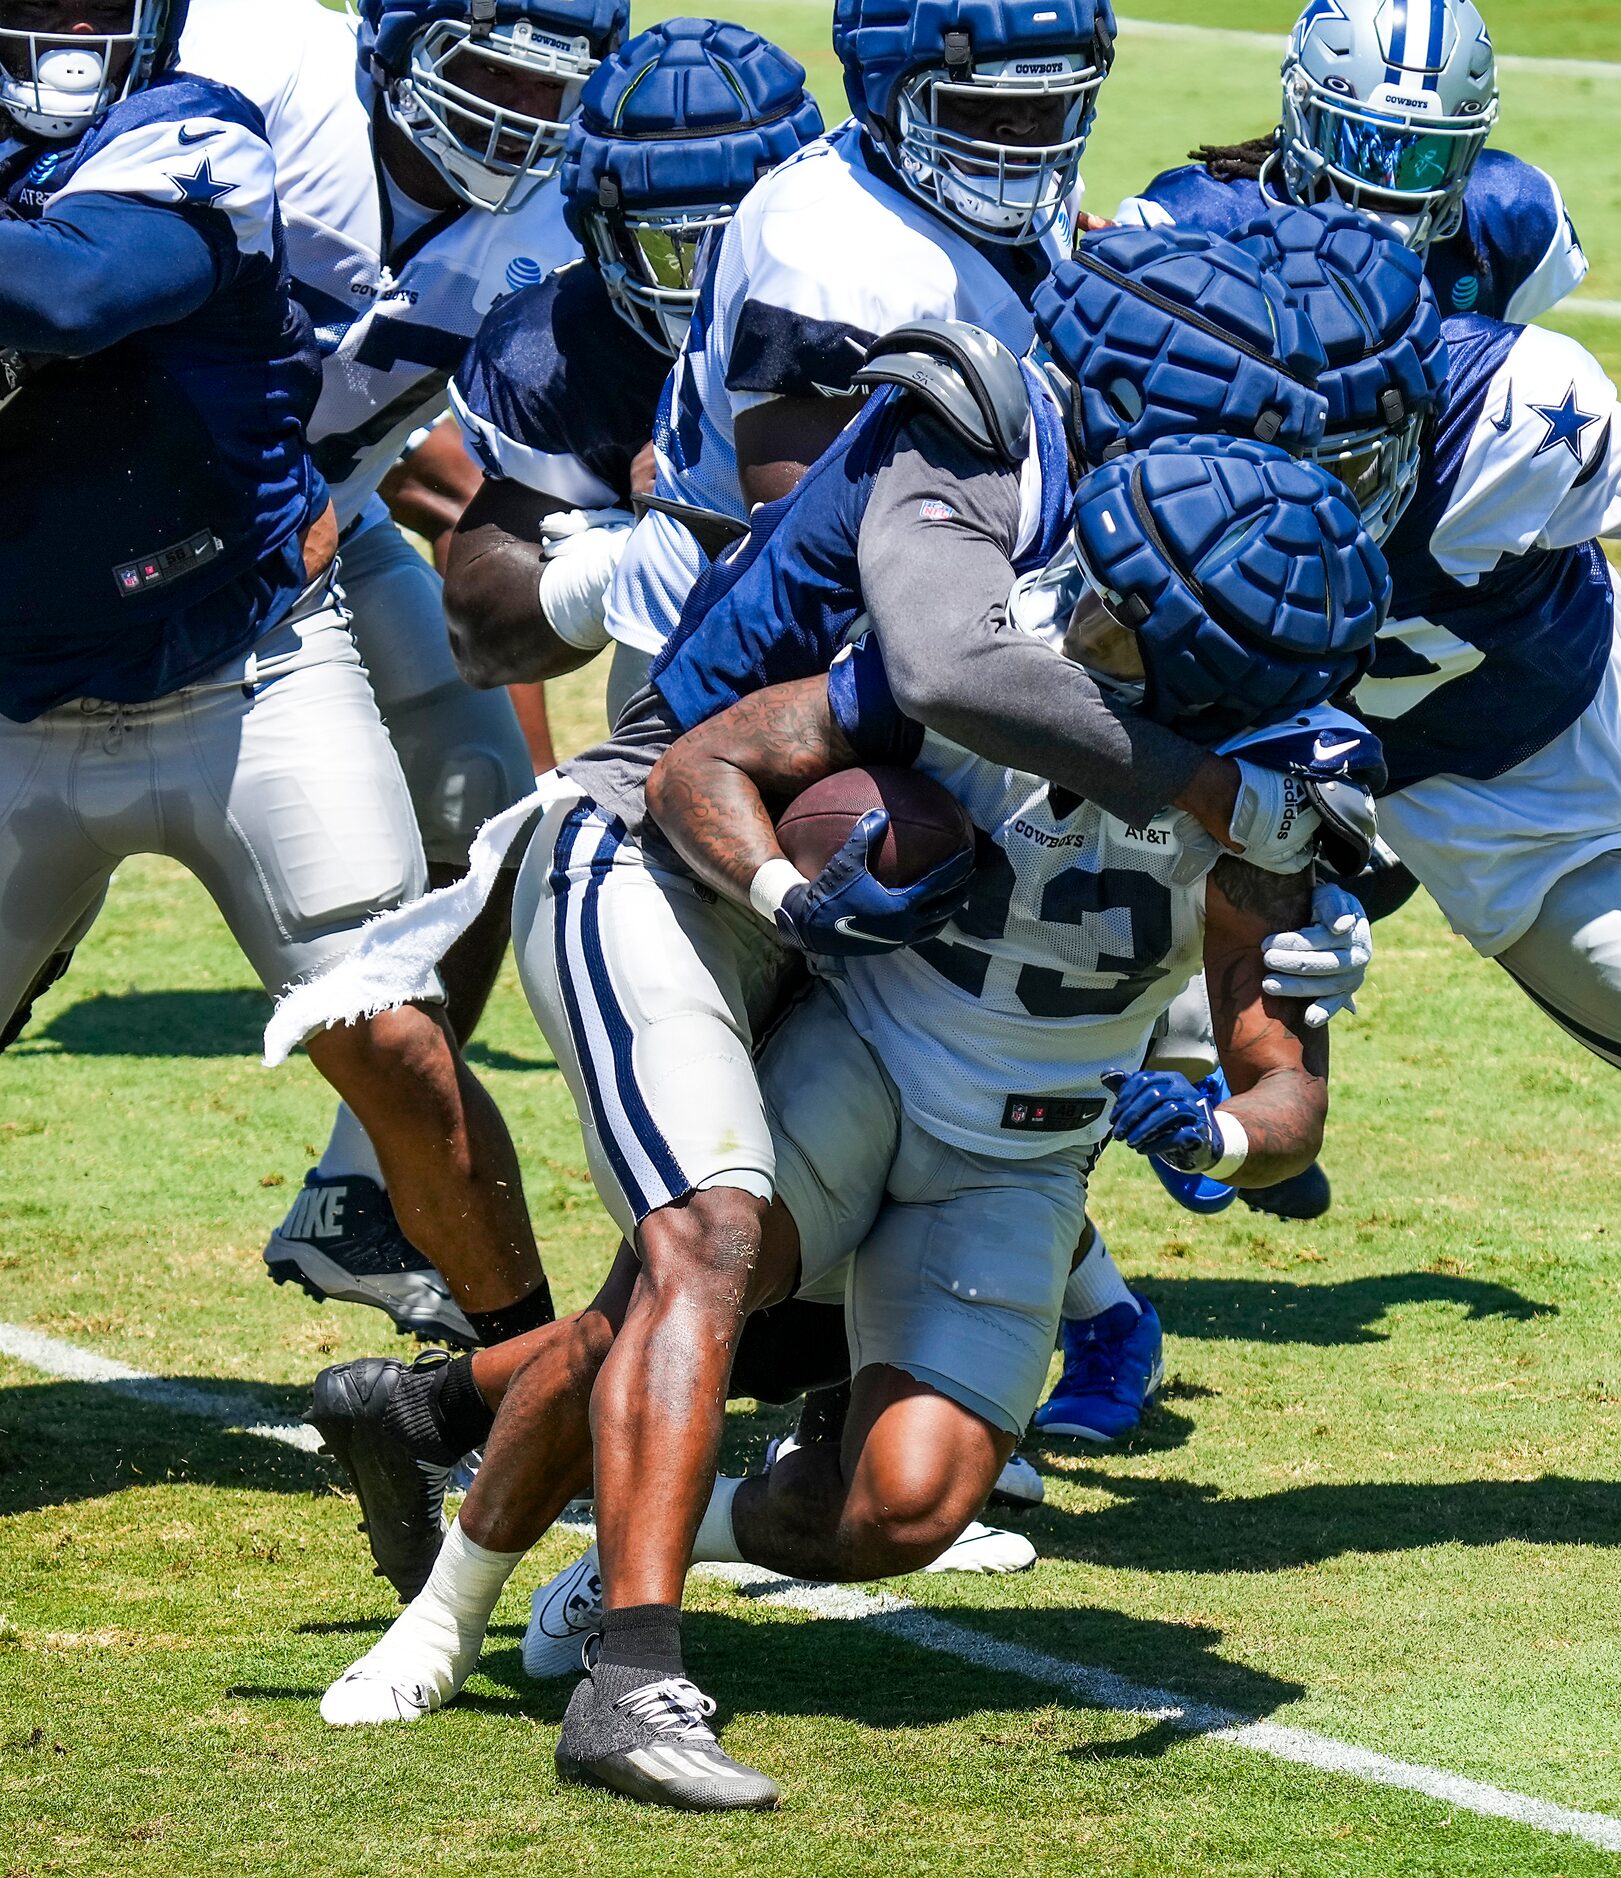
(396, 955)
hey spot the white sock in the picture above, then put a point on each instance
(433, 1646)
(1095, 1284)
(716, 1543)
(349, 1150)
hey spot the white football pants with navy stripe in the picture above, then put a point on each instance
(649, 988)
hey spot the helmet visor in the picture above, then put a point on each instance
(650, 261)
(1065, 604)
(1379, 468)
(1407, 161)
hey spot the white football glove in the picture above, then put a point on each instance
(582, 548)
(1325, 961)
(1273, 822)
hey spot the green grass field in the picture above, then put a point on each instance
(1380, 1498)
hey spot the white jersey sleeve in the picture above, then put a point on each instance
(1542, 468)
(1143, 212)
(1561, 270)
(205, 161)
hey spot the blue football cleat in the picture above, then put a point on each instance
(1197, 1192)
(1113, 1364)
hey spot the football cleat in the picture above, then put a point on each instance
(414, 1668)
(1018, 1484)
(1197, 1192)
(1306, 1195)
(1113, 1365)
(402, 1497)
(651, 1740)
(987, 1550)
(341, 1240)
(562, 1614)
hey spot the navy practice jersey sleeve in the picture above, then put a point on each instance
(558, 393)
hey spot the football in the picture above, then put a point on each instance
(927, 824)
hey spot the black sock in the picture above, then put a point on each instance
(410, 1416)
(460, 1414)
(512, 1320)
(643, 1636)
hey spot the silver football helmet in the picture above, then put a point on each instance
(1386, 106)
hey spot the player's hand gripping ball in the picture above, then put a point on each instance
(1158, 1111)
(888, 856)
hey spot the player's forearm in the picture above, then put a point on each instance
(708, 793)
(499, 632)
(95, 271)
(1283, 1117)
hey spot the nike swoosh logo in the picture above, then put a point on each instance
(1501, 424)
(201, 137)
(1326, 752)
(851, 930)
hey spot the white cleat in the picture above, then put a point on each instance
(562, 1614)
(1018, 1484)
(986, 1549)
(415, 1667)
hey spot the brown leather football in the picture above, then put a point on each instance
(927, 824)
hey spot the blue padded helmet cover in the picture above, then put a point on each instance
(1167, 331)
(1247, 576)
(691, 112)
(1365, 294)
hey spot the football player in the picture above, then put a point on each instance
(1389, 108)
(416, 151)
(1209, 581)
(1495, 685)
(918, 519)
(558, 394)
(176, 675)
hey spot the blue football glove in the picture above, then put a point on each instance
(845, 912)
(1158, 1111)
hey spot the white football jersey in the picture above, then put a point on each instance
(1079, 933)
(391, 330)
(822, 257)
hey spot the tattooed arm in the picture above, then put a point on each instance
(1276, 1067)
(709, 791)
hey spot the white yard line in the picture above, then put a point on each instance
(68, 1361)
(1274, 43)
(898, 1617)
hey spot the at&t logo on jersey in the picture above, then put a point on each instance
(1465, 293)
(522, 271)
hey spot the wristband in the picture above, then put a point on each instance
(772, 885)
(1235, 1147)
(572, 592)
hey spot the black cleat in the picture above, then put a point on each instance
(1303, 1196)
(341, 1240)
(402, 1496)
(649, 1738)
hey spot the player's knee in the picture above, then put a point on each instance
(410, 1045)
(903, 1524)
(706, 1245)
(464, 760)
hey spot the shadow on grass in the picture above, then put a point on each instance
(62, 1442)
(488, 1056)
(154, 1023)
(1264, 1310)
(855, 1672)
(1181, 1526)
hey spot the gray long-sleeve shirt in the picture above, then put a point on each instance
(935, 560)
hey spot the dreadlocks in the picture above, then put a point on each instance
(1236, 162)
